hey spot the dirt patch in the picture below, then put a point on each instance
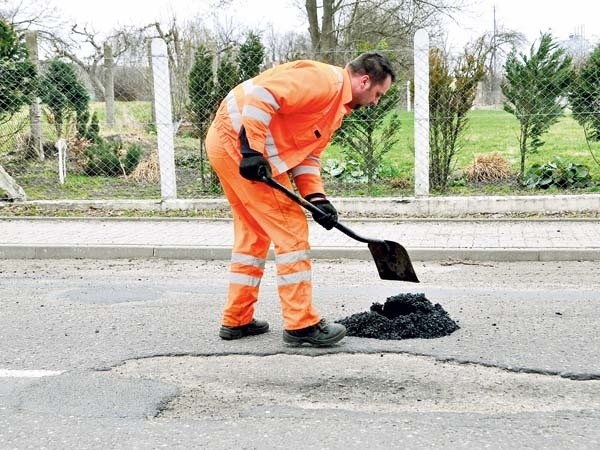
(403, 316)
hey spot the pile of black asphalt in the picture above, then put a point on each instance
(403, 316)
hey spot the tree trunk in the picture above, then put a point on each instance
(313, 26)
(151, 83)
(328, 41)
(322, 37)
(523, 148)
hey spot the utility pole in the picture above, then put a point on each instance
(493, 61)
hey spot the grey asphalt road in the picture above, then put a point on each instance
(124, 354)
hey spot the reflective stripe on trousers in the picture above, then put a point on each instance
(262, 215)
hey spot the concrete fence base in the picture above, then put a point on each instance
(378, 206)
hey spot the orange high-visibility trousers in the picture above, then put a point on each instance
(262, 215)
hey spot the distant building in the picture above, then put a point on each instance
(578, 46)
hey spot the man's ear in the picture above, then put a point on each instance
(365, 81)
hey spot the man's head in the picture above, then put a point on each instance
(371, 75)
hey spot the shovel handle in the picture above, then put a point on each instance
(314, 209)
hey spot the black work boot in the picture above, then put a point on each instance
(250, 329)
(322, 334)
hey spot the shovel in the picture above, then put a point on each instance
(391, 259)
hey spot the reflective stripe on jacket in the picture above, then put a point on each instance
(290, 113)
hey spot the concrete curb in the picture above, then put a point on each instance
(223, 253)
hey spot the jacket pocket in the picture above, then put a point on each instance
(309, 137)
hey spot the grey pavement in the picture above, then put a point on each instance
(425, 239)
(124, 354)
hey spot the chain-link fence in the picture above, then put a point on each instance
(438, 128)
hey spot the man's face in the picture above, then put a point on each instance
(368, 94)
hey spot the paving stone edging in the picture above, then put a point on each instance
(224, 253)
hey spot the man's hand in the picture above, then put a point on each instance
(254, 167)
(328, 217)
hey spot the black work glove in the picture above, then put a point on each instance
(328, 217)
(254, 167)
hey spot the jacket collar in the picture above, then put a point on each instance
(346, 92)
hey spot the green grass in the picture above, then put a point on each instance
(498, 131)
(130, 117)
(495, 131)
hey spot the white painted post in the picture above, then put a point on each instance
(61, 146)
(421, 107)
(164, 119)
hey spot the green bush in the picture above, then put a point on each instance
(63, 94)
(18, 77)
(91, 132)
(132, 158)
(103, 159)
(559, 173)
(534, 87)
(585, 95)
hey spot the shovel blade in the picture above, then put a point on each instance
(392, 261)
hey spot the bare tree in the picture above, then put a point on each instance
(92, 64)
(349, 24)
(287, 46)
(30, 15)
(497, 45)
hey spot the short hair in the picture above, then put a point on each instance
(374, 64)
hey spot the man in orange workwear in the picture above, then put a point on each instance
(278, 124)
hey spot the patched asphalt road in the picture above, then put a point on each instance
(125, 354)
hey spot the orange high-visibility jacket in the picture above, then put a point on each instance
(289, 113)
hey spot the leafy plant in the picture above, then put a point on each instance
(559, 173)
(132, 158)
(370, 132)
(18, 77)
(585, 95)
(451, 96)
(64, 95)
(348, 170)
(227, 75)
(585, 100)
(250, 57)
(104, 159)
(91, 132)
(202, 100)
(534, 86)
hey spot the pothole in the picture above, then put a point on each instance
(232, 386)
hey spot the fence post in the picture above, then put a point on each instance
(35, 110)
(421, 107)
(109, 85)
(61, 146)
(164, 119)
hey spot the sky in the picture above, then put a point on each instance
(531, 17)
